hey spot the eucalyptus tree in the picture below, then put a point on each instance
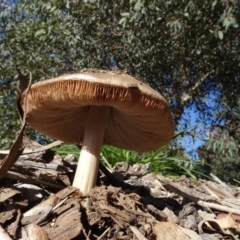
(183, 49)
(222, 149)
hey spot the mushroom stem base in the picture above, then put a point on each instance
(87, 169)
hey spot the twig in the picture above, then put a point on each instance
(27, 179)
(26, 164)
(133, 212)
(59, 204)
(109, 175)
(186, 97)
(218, 207)
(40, 149)
(115, 220)
(221, 183)
(191, 194)
(199, 199)
(235, 180)
(103, 234)
(210, 192)
(86, 235)
(137, 233)
(220, 190)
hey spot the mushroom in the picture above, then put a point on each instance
(95, 107)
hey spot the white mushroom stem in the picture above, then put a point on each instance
(87, 169)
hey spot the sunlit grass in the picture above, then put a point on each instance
(65, 149)
(160, 161)
(164, 160)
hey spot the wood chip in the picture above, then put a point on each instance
(40, 212)
(35, 232)
(4, 235)
(67, 225)
(172, 231)
(7, 193)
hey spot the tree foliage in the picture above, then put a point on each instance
(183, 49)
(222, 150)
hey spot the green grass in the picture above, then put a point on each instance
(159, 160)
(64, 149)
(166, 160)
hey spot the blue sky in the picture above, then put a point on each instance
(198, 125)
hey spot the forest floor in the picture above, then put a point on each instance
(38, 202)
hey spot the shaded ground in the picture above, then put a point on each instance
(37, 202)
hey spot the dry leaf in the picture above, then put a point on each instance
(235, 216)
(16, 149)
(223, 225)
(172, 231)
(226, 222)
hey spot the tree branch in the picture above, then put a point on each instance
(187, 96)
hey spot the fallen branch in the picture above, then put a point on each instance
(26, 164)
(198, 198)
(218, 207)
(40, 149)
(28, 179)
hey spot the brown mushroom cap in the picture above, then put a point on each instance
(139, 120)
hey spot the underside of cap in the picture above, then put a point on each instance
(139, 119)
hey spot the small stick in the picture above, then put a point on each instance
(137, 233)
(199, 199)
(28, 179)
(115, 220)
(40, 149)
(133, 212)
(59, 204)
(235, 180)
(86, 235)
(104, 233)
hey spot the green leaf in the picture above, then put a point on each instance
(39, 32)
(138, 6)
(220, 34)
(214, 3)
(125, 14)
(235, 25)
(122, 21)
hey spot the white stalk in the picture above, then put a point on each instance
(87, 169)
